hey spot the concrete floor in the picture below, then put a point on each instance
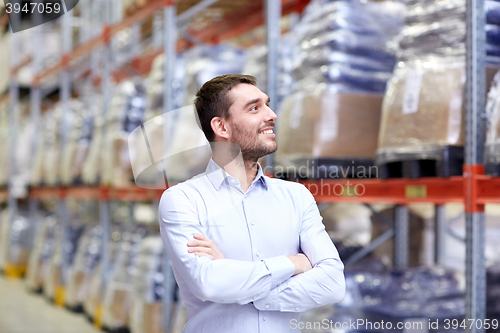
(23, 312)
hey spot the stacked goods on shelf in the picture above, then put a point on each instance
(78, 131)
(93, 298)
(20, 243)
(118, 294)
(4, 60)
(190, 152)
(43, 248)
(344, 61)
(126, 114)
(145, 311)
(492, 145)
(493, 293)
(51, 150)
(4, 144)
(86, 259)
(4, 237)
(418, 296)
(91, 167)
(65, 249)
(149, 173)
(257, 66)
(492, 9)
(422, 125)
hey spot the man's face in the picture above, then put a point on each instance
(251, 122)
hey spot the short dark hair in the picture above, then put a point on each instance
(212, 100)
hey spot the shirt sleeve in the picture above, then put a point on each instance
(322, 285)
(222, 280)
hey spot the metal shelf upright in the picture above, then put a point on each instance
(13, 131)
(475, 272)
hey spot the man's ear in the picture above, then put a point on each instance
(220, 128)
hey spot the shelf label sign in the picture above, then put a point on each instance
(412, 91)
(26, 14)
(416, 191)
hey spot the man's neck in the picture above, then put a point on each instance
(244, 171)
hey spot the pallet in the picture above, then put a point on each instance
(329, 168)
(449, 163)
(75, 309)
(492, 169)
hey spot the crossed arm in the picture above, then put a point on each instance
(203, 246)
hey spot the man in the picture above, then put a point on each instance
(234, 235)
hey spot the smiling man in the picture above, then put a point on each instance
(249, 252)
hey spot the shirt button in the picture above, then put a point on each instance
(297, 308)
(264, 318)
(267, 306)
(252, 222)
(258, 254)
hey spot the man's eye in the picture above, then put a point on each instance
(254, 108)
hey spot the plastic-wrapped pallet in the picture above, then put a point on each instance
(4, 60)
(493, 295)
(4, 238)
(86, 259)
(433, 27)
(412, 295)
(20, 243)
(492, 145)
(347, 44)
(423, 106)
(342, 65)
(4, 144)
(422, 126)
(92, 164)
(41, 254)
(118, 294)
(93, 298)
(75, 123)
(257, 66)
(145, 312)
(126, 114)
(52, 147)
(64, 253)
(327, 125)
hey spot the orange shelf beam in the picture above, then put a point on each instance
(398, 191)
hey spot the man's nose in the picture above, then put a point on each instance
(272, 114)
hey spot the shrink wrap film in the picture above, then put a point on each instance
(4, 144)
(4, 238)
(327, 124)
(492, 146)
(145, 312)
(423, 105)
(43, 247)
(93, 297)
(84, 265)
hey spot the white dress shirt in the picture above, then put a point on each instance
(253, 289)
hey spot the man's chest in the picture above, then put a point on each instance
(252, 227)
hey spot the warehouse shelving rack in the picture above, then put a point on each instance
(474, 189)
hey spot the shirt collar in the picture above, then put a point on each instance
(217, 175)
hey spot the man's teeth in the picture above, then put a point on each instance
(270, 131)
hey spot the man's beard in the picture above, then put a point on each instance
(251, 147)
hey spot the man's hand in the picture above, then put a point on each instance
(204, 247)
(301, 263)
